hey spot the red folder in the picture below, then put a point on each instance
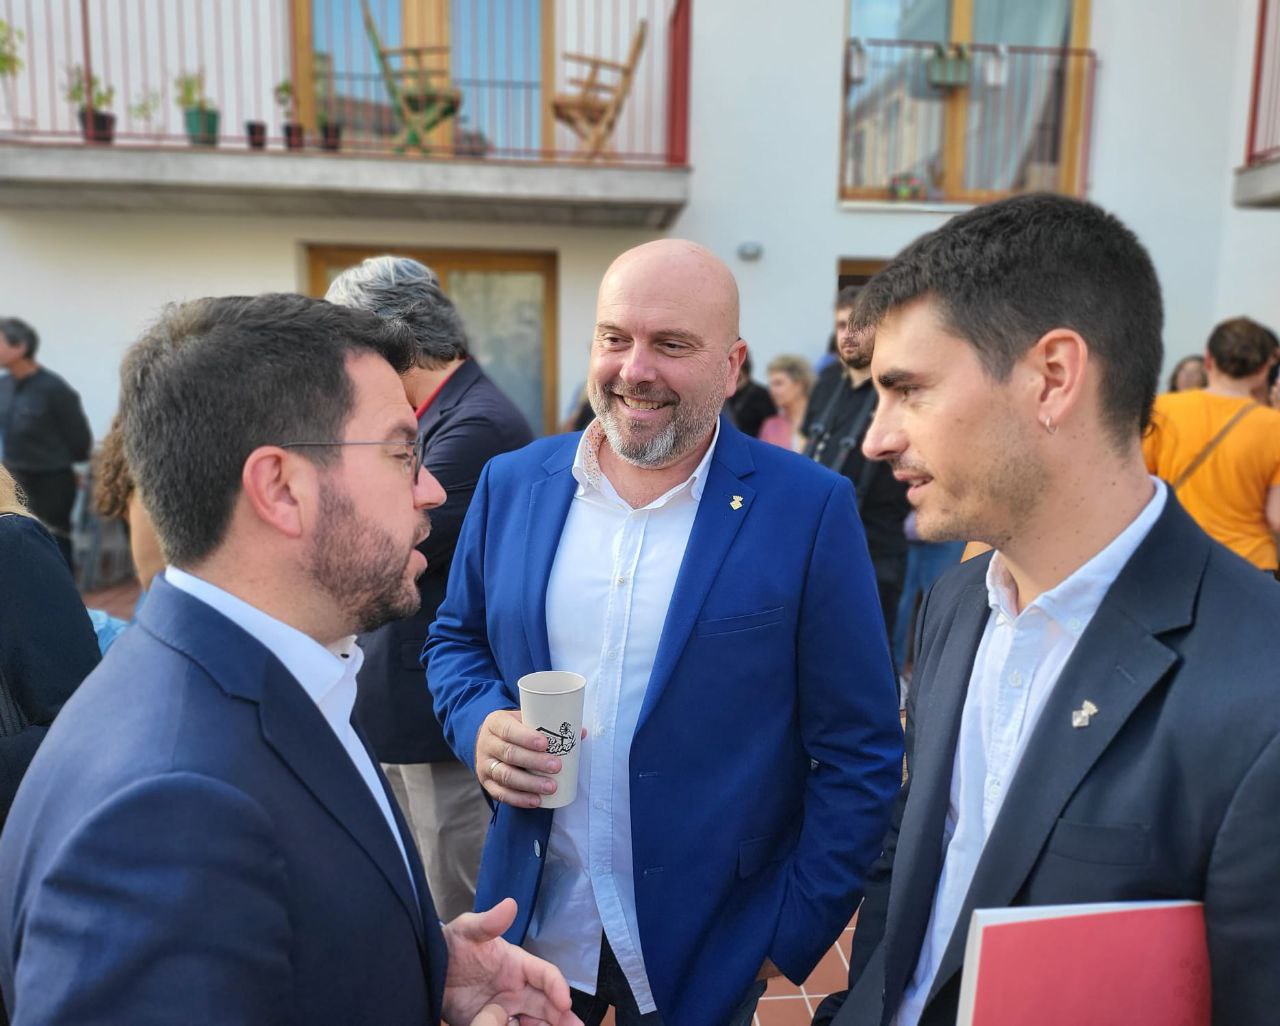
(1125, 963)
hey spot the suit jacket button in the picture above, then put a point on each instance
(537, 850)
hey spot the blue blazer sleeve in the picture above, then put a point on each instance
(466, 684)
(850, 728)
(187, 911)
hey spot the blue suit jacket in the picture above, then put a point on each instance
(1173, 791)
(768, 748)
(193, 844)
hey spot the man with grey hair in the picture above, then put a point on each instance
(742, 740)
(463, 420)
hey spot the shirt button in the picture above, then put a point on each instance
(537, 849)
(1074, 624)
(993, 789)
(1015, 678)
(600, 804)
(614, 653)
(620, 581)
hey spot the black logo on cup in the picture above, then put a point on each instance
(562, 743)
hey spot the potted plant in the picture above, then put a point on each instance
(256, 133)
(10, 61)
(292, 129)
(145, 109)
(97, 123)
(330, 130)
(201, 118)
(906, 186)
(948, 68)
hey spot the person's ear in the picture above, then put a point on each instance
(280, 487)
(737, 355)
(1059, 362)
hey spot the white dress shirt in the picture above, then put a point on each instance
(1018, 662)
(607, 599)
(327, 675)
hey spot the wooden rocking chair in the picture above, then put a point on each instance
(592, 112)
(407, 73)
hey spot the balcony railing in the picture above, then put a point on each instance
(1262, 143)
(114, 72)
(966, 124)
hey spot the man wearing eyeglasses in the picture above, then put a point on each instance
(204, 836)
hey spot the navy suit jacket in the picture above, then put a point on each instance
(470, 421)
(1172, 791)
(768, 747)
(193, 844)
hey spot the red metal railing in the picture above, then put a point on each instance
(1262, 142)
(78, 64)
(926, 122)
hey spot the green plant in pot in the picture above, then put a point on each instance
(293, 135)
(10, 60)
(92, 101)
(330, 130)
(201, 117)
(145, 109)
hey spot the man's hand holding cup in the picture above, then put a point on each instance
(529, 759)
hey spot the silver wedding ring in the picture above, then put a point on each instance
(493, 765)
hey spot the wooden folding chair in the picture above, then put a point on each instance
(592, 112)
(407, 73)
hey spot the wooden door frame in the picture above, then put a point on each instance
(445, 260)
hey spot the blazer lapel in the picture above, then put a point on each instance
(290, 722)
(549, 500)
(1116, 663)
(935, 731)
(724, 507)
(293, 726)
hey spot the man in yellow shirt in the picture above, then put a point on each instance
(1220, 449)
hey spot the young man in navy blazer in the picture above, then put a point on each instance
(743, 742)
(1093, 712)
(204, 837)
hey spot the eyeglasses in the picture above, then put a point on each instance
(416, 450)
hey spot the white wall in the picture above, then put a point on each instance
(1163, 143)
(1249, 261)
(89, 282)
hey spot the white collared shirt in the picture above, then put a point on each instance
(327, 675)
(607, 600)
(1017, 665)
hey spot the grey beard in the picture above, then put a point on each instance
(654, 453)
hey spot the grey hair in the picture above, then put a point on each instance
(397, 288)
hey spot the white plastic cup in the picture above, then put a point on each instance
(551, 703)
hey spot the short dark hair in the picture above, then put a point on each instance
(215, 379)
(847, 296)
(1241, 347)
(402, 289)
(20, 333)
(1002, 275)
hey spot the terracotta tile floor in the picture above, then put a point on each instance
(785, 1004)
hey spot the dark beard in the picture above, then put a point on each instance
(360, 566)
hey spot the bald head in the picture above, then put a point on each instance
(666, 351)
(685, 274)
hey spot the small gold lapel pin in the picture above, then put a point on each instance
(736, 502)
(1080, 717)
